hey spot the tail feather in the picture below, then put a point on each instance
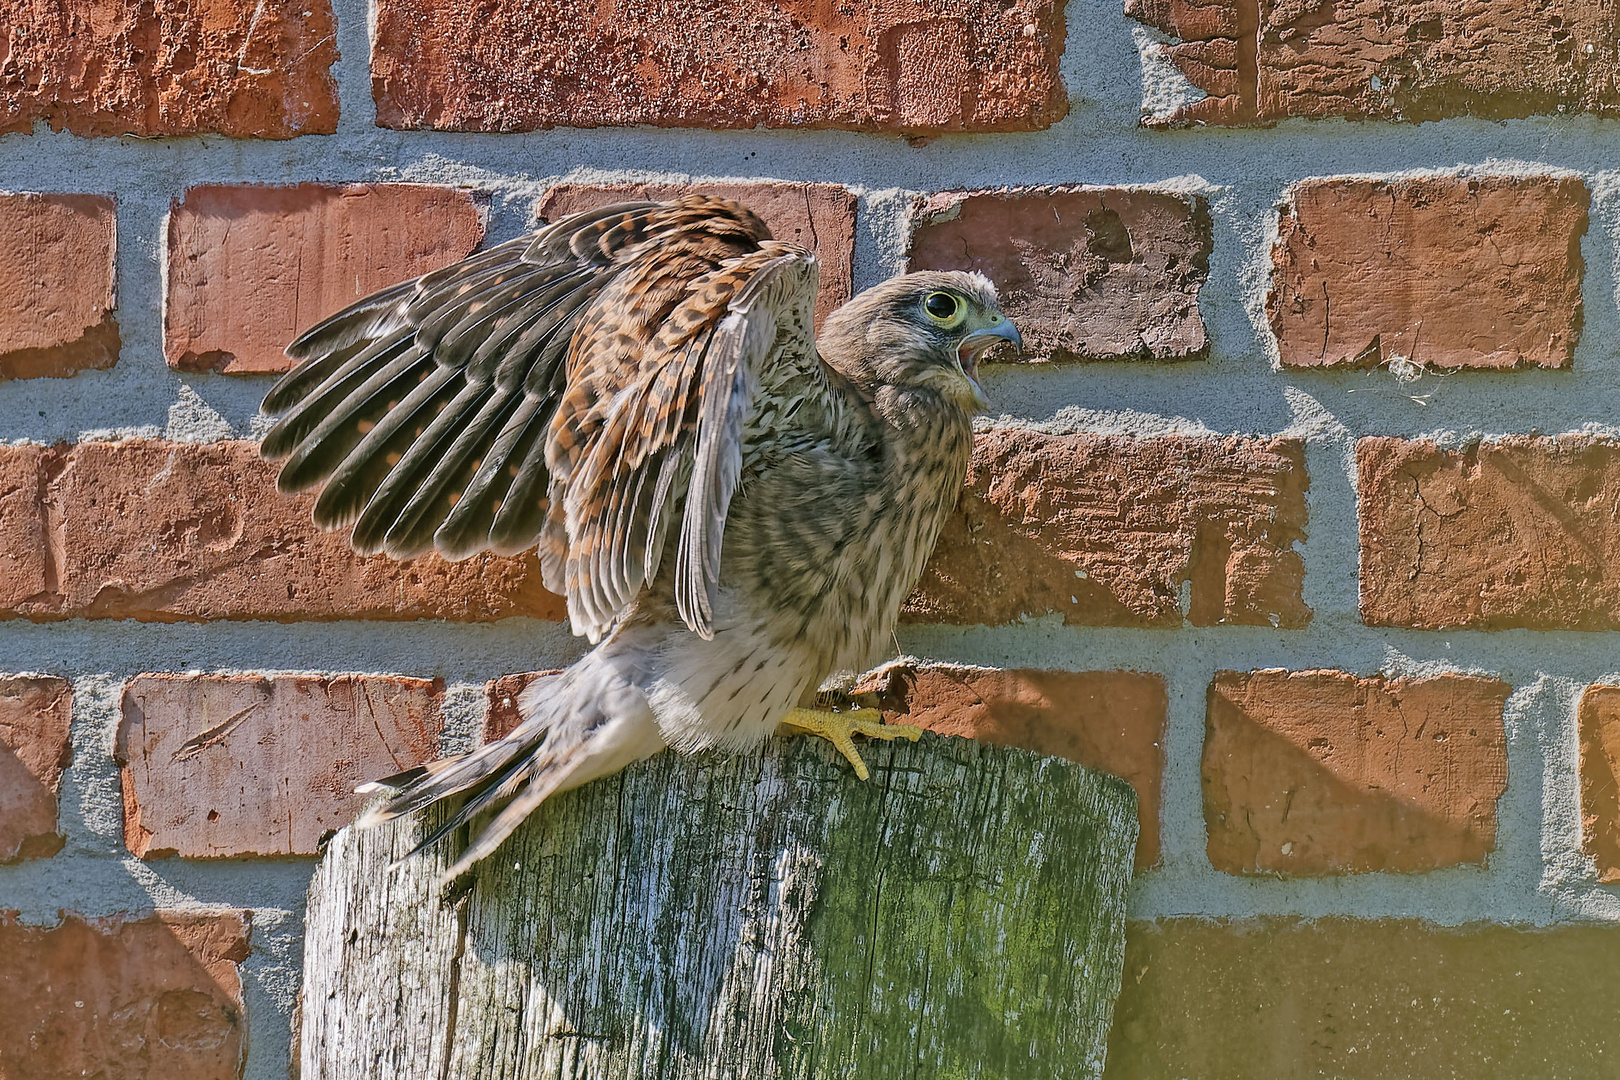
(540, 787)
(585, 723)
(495, 791)
(418, 788)
(395, 781)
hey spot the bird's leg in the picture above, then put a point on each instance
(838, 727)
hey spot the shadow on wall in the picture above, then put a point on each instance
(1324, 773)
(1107, 530)
(155, 996)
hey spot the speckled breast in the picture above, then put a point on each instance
(832, 547)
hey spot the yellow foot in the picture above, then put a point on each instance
(837, 727)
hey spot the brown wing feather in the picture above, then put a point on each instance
(630, 397)
(354, 430)
(562, 388)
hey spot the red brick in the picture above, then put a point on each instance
(1087, 273)
(1112, 721)
(123, 998)
(243, 765)
(1519, 532)
(1599, 715)
(1321, 772)
(820, 217)
(1446, 272)
(27, 572)
(34, 749)
(502, 714)
(166, 532)
(1106, 530)
(462, 65)
(249, 68)
(1368, 59)
(58, 267)
(252, 267)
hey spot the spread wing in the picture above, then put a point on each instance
(585, 388)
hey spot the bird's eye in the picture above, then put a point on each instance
(942, 307)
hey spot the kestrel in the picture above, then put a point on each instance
(734, 508)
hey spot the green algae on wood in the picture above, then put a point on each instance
(961, 914)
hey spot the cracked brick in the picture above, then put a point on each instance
(982, 65)
(27, 568)
(1320, 772)
(251, 267)
(1109, 530)
(246, 68)
(166, 532)
(1261, 62)
(1599, 723)
(35, 713)
(1515, 532)
(1371, 272)
(237, 766)
(1087, 273)
(130, 995)
(58, 271)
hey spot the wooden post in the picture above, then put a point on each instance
(961, 914)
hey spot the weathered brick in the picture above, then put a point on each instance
(34, 749)
(1365, 59)
(1112, 721)
(1087, 273)
(124, 997)
(981, 65)
(820, 217)
(502, 714)
(1321, 772)
(1364, 999)
(1444, 272)
(161, 531)
(244, 765)
(249, 68)
(58, 269)
(27, 572)
(1519, 532)
(1109, 529)
(1599, 716)
(252, 267)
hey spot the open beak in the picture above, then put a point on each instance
(976, 344)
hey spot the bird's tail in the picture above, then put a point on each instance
(584, 723)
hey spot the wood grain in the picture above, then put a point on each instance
(959, 915)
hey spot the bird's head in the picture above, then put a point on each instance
(922, 331)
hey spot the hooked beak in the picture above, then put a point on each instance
(980, 342)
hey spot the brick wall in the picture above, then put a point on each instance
(1300, 514)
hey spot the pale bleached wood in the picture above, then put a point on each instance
(959, 915)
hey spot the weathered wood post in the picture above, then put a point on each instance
(959, 915)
